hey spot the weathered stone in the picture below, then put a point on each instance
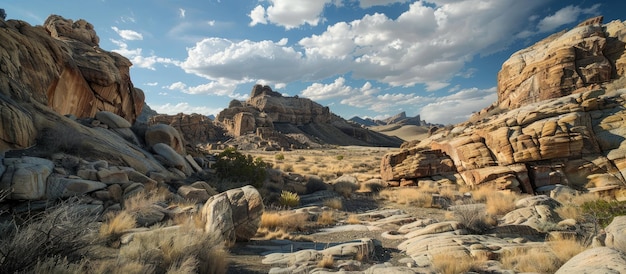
(60, 187)
(192, 193)
(234, 214)
(616, 234)
(166, 134)
(595, 260)
(112, 120)
(195, 128)
(25, 178)
(415, 163)
(172, 158)
(112, 176)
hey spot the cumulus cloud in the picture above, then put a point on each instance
(183, 107)
(257, 15)
(289, 13)
(218, 88)
(458, 107)
(318, 91)
(136, 56)
(566, 15)
(127, 34)
(370, 3)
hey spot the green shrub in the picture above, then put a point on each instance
(289, 199)
(339, 157)
(231, 164)
(601, 212)
(279, 157)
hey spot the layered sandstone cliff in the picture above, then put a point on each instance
(294, 121)
(562, 121)
(59, 65)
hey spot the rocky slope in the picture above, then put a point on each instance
(559, 120)
(294, 122)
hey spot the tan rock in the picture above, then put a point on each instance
(595, 260)
(26, 177)
(166, 134)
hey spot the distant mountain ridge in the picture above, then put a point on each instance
(399, 119)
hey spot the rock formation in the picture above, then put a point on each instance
(565, 124)
(296, 122)
(69, 74)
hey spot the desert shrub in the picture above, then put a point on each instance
(372, 187)
(353, 219)
(233, 165)
(60, 231)
(601, 212)
(279, 157)
(339, 157)
(570, 211)
(334, 203)
(411, 196)
(565, 249)
(501, 202)
(345, 188)
(315, 184)
(471, 216)
(326, 262)
(289, 199)
(300, 159)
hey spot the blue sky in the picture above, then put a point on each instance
(371, 58)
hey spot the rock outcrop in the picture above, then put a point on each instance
(195, 128)
(296, 122)
(570, 129)
(69, 74)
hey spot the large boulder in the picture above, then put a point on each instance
(195, 128)
(596, 260)
(234, 214)
(25, 178)
(166, 134)
(616, 234)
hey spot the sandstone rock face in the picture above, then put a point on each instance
(234, 214)
(557, 66)
(294, 121)
(569, 130)
(70, 74)
(25, 178)
(195, 128)
(595, 260)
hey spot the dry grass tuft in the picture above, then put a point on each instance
(570, 211)
(411, 196)
(116, 224)
(345, 189)
(145, 199)
(565, 249)
(449, 264)
(280, 234)
(327, 262)
(353, 219)
(326, 218)
(529, 259)
(334, 203)
(286, 220)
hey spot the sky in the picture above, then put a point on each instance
(368, 58)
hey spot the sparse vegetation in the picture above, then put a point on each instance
(233, 165)
(602, 212)
(528, 259)
(326, 218)
(289, 199)
(286, 220)
(334, 203)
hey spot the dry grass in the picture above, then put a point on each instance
(565, 249)
(529, 259)
(353, 219)
(345, 189)
(449, 264)
(327, 262)
(570, 211)
(144, 199)
(498, 202)
(289, 199)
(176, 250)
(286, 220)
(116, 224)
(326, 218)
(280, 234)
(410, 196)
(334, 203)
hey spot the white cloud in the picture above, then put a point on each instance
(135, 56)
(289, 13)
(181, 12)
(564, 16)
(127, 34)
(183, 107)
(458, 107)
(369, 3)
(258, 16)
(152, 84)
(218, 88)
(338, 88)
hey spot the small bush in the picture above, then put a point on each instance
(315, 184)
(279, 157)
(233, 165)
(339, 157)
(327, 262)
(300, 159)
(117, 224)
(601, 212)
(353, 219)
(471, 216)
(535, 260)
(287, 168)
(345, 188)
(449, 264)
(289, 199)
(565, 249)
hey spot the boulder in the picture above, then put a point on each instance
(172, 158)
(25, 178)
(595, 260)
(234, 214)
(195, 128)
(616, 234)
(112, 120)
(60, 187)
(415, 163)
(166, 134)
